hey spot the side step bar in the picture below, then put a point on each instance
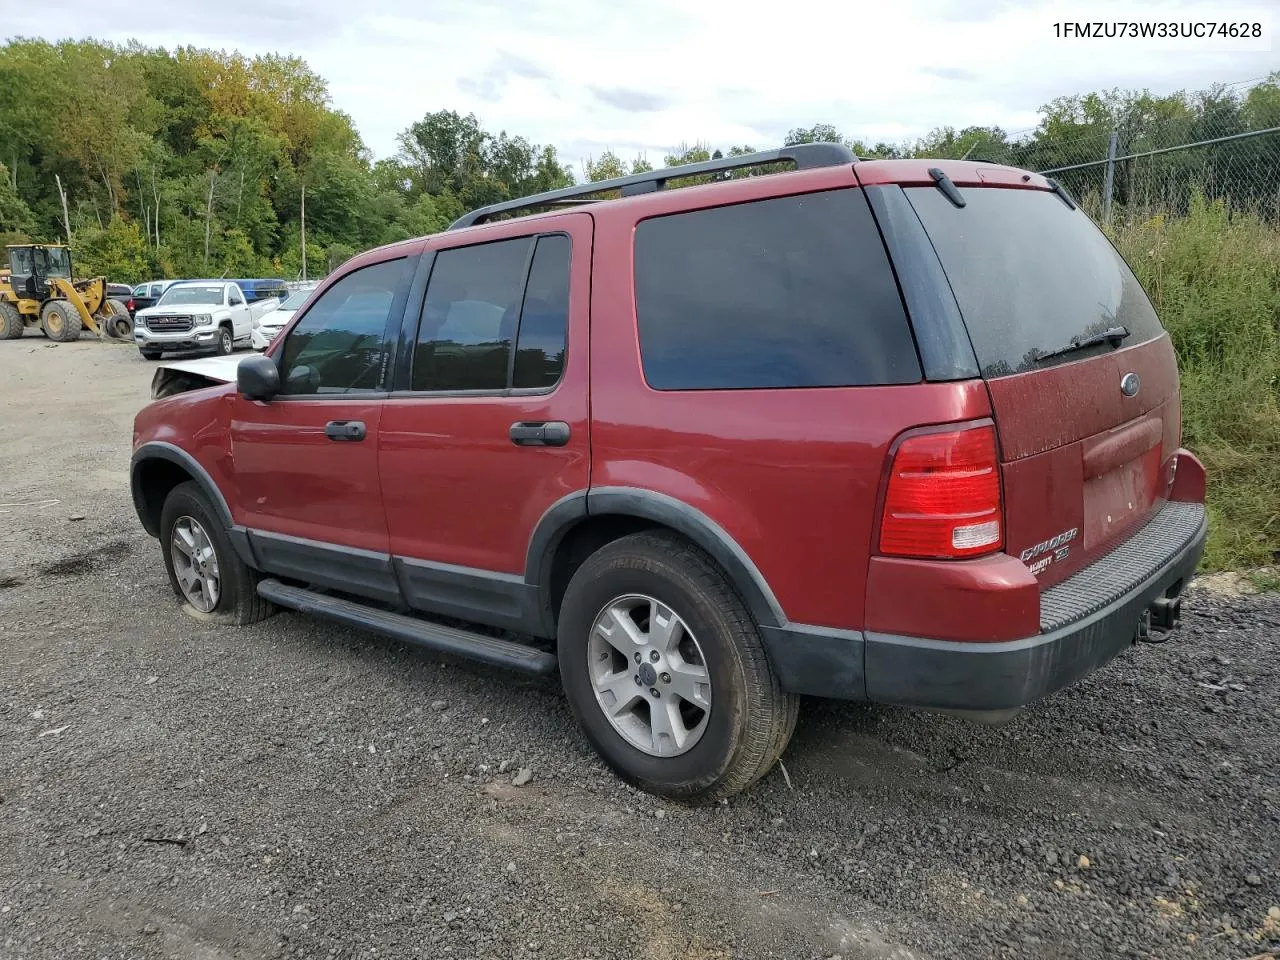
(459, 643)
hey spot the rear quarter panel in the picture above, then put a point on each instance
(793, 476)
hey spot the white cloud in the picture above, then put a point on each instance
(643, 75)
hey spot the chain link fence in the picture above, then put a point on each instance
(1153, 158)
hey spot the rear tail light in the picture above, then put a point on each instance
(943, 497)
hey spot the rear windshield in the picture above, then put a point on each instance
(1031, 275)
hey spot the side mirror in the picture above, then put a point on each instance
(258, 378)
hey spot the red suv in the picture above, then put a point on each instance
(899, 431)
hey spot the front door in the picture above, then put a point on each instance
(306, 462)
(491, 425)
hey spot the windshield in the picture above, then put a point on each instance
(295, 299)
(1032, 276)
(179, 295)
(53, 261)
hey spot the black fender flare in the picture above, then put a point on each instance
(159, 450)
(688, 521)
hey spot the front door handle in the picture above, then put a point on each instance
(540, 433)
(344, 430)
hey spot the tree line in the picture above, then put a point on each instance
(195, 162)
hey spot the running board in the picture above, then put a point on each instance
(434, 636)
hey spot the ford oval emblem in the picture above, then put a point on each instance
(1130, 384)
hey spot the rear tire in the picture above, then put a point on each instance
(60, 321)
(689, 753)
(11, 324)
(204, 570)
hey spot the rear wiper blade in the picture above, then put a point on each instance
(1112, 335)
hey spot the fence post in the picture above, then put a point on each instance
(1109, 183)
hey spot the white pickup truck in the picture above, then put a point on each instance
(198, 315)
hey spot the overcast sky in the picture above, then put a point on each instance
(643, 75)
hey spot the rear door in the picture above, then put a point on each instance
(1086, 432)
(489, 425)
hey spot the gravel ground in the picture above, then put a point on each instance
(171, 789)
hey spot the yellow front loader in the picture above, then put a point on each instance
(37, 289)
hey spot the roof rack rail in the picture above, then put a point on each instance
(806, 156)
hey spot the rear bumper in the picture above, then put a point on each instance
(1086, 621)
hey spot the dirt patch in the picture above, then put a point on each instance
(78, 564)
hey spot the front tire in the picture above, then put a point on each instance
(60, 321)
(701, 714)
(150, 354)
(204, 570)
(226, 343)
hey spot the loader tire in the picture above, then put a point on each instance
(11, 325)
(115, 321)
(60, 321)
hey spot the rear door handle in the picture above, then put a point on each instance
(344, 430)
(542, 433)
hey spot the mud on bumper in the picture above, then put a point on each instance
(1085, 621)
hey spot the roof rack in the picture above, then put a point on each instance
(806, 156)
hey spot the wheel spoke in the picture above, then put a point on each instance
(187, 578)
(669, 731)
(691, 683)
(621, 687)
(665, 629)
(618, 630)
(184, 541)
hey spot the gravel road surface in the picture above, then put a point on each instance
(296, 789)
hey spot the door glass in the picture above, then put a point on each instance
(469, 317)
(236, 299)
(338, 345)
(20, 262)
(544, 321)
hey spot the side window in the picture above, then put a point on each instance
(544, 321)
(478, 306)
(140, 290)
(469, 317)
(787, 292)
(236, 299)
(338, 346)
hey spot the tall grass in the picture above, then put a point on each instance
(1214, 276)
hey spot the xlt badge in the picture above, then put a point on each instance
(1054, 549)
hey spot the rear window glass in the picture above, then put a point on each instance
(786, 292)
(1030, 275)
